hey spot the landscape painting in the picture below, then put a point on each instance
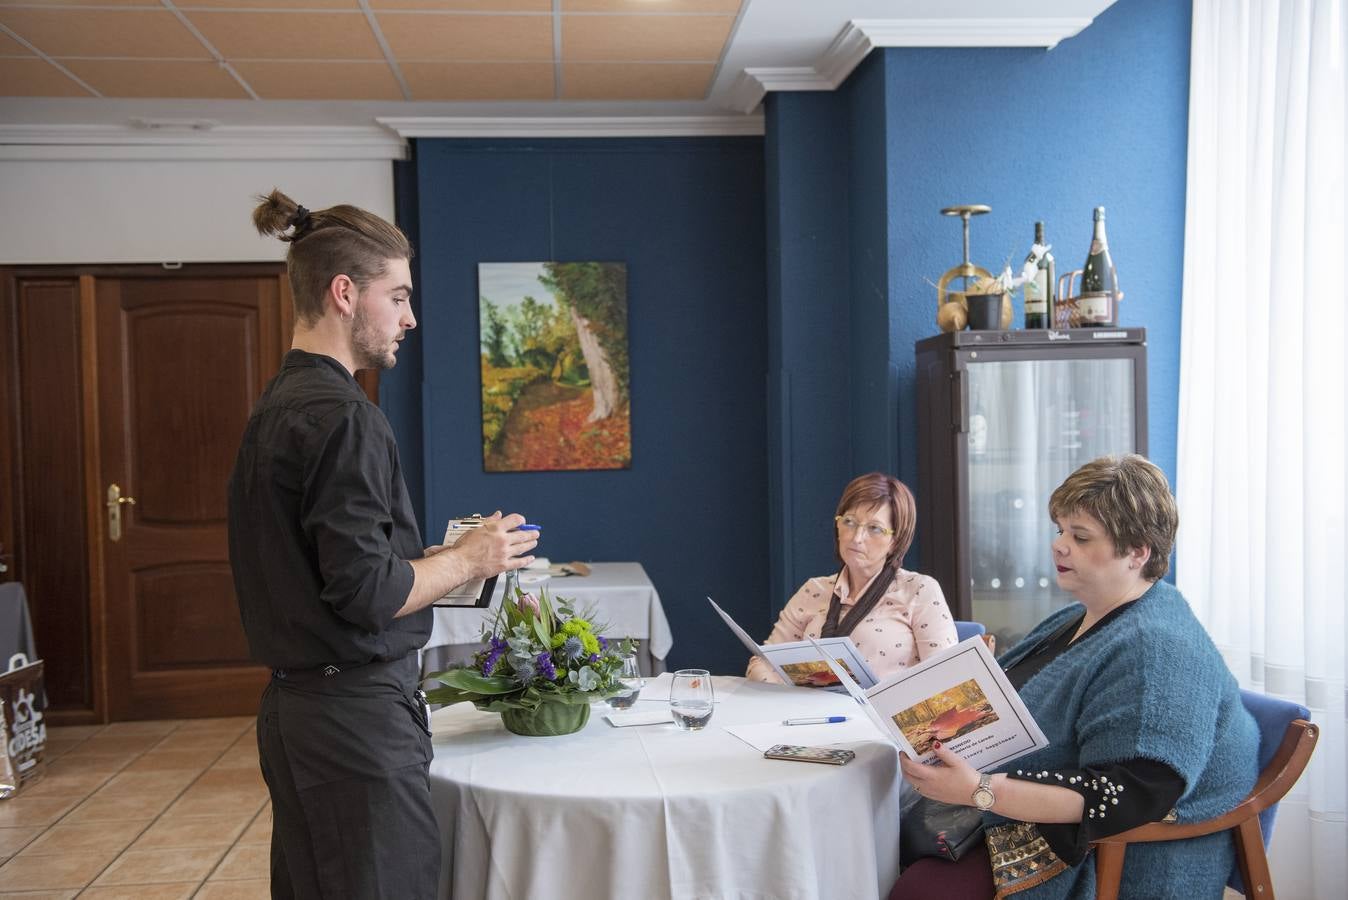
(555, 389)
(945, 716)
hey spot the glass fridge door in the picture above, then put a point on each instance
(1031, 424)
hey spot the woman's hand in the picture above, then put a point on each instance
(952, 780)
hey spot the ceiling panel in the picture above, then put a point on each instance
(320, 80)
(35, 77)
(479, 81)
(282, 36)
(651, 6)
(495, 6)
(636, 81)
(265, 4)
(157, 78)
(11, 47)
(622, 38)
(431, 38)
(141, 33)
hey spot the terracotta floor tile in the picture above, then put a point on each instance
(67, 782)
(161, 866)
(160, 727)
(214, 831)
(24, 811)
(103, 764)
(199, 802)
(39, 895)
(169, 781)
(245, 861)
(101, 837)
(55, 749)
(118, 808)
(237, 759)
(162, 760)
(108, 744)
(45, 873)
(15, 838)
(216, 777)
(260, 831)
(177, 891)
(233, 724)
(196, 740)
(255, 889)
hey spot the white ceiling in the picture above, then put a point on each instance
(774, 45)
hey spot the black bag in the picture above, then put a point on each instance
(932, 828)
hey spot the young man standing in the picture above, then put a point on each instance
(333, 585)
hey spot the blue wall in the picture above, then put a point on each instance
(686, 216)
(1037, 135)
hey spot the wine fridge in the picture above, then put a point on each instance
(1003, 418)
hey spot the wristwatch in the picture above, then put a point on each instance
(983, 795)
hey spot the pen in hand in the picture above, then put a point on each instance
(816, 720)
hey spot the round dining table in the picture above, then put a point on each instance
(654, 812)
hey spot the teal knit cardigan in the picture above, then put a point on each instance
(1149, 684)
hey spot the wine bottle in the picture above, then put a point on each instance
(1099, 288)
(1039, 290)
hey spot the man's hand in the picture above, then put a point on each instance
(496, 547)
(952, 780)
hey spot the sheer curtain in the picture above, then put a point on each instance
(1261, 470)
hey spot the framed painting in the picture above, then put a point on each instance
(555, 389)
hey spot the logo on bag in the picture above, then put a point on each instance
(29, 731)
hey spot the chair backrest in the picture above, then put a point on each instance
(966, 630)
(1272, 716)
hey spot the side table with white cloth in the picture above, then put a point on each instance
(655, 812)
(620, 593)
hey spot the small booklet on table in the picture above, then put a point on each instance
(960, 698)
(474, 594)
(801, 663)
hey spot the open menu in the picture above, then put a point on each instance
(960, 698)
(473, 594)
(800, 662)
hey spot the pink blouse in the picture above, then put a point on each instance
(910, 623)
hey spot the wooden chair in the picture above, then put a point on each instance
(1251, 822)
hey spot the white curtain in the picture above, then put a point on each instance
(1261, 469)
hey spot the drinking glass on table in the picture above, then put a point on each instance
(631, 681)
(691, 698)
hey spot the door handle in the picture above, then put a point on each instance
(114, 504)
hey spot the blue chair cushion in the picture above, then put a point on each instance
(966, 630)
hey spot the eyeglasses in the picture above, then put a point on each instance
(872, 530)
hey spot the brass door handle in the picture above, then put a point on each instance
(114, 504)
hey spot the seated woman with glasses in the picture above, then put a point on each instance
(895, 617)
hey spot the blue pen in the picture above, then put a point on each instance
(530, 528)
(817, 720)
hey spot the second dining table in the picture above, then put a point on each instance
(655, 812)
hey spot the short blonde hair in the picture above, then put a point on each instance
(1131, 498)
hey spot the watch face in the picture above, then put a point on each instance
(983, 797)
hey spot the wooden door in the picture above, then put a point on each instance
(180, 362)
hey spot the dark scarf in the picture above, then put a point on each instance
(865, 603)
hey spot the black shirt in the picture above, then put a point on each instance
(321, 526)
(1119, 796)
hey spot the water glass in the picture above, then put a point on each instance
(691, 699)
(631, 681)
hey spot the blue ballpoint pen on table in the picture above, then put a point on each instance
(817, 720)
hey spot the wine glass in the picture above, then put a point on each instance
(630, 681)
(691, 698)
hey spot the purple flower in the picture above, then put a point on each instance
(594, 657)
(546, 669)
(603, 643)
(498, 647)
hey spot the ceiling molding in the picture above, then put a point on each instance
(860, 36)
(197, 139)
(577, 127)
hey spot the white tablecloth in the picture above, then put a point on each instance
(654, 812)
(621, 593)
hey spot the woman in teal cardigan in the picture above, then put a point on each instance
(1144, 720)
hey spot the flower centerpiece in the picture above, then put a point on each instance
(541, 668)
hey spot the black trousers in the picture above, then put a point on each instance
(346, 758)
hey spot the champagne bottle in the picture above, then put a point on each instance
(1039, 290)
(1099, 288)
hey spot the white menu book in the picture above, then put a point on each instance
(961, 698)
(807, 663)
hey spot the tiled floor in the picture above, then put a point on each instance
(144, 810)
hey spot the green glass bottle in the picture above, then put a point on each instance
(1039, 290)
(1099, 282)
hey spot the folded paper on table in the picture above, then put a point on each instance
(961, 698)
(800, 662)
(473, 594)
(762, 735)
(640, 717)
